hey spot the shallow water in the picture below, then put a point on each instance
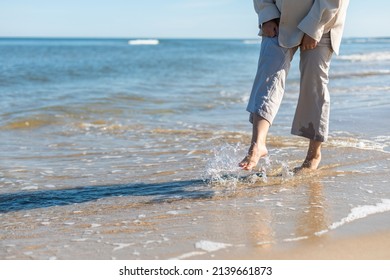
(118, 150)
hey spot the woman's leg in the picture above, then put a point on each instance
(266, 96)
(311, 118)
(313, 157)
(258, 147)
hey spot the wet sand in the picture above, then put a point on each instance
(337, 212)
(368, 246)
(175, 235)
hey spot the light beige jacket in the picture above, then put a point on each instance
(313, 17)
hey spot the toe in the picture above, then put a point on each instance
(244, 162)
(251, 164)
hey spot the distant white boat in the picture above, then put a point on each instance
(144, 42)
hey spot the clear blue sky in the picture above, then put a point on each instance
(161, 18)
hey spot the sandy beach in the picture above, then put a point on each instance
(367, 246)
(284, 216)
(184, 234)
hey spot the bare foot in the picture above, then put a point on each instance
(313, 157)
(311, 162)
(254, 154)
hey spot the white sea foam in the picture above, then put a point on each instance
(366, 40)
(189, 255)
(173, 213)
(364, 73)
(95, 225)
(79, 239)
(359, 212)
(295, 239)
(210, 246)
(144, 42)
(373, 56)
(120, 246)
(28, 188)
(358, 144)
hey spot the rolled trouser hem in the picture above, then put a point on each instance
(268, 117)
(319, 138)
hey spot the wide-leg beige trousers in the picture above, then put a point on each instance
(311, 118)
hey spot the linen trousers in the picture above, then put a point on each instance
(311, 118)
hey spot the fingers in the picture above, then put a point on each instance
(270, 29)
(308, 43)
(308, 47)
(271, 32)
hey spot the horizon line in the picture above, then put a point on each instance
(160, 38)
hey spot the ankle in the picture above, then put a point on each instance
(312, 161)
(313, 156)
(258, 150)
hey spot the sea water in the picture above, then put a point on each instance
(100, 137)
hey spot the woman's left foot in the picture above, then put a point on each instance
(256, 151)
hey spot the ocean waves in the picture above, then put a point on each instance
(181, 91)
(366, 57)
(362, 73)
(29, 123)
(367, 41)
(359, 212)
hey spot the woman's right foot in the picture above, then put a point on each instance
(255, 153)
(312, 162)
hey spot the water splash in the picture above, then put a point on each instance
(223, 165)
(222, 168)
(287, 173)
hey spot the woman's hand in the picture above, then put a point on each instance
(270, 28)
(308, 43)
